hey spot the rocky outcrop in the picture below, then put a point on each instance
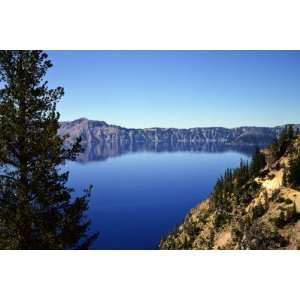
(263, 213)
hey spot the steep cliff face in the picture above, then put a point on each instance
(262, 213)
(95, 132)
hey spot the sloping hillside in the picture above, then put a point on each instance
(256, 206)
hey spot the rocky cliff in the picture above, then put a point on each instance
(249, 209)
(99, 132)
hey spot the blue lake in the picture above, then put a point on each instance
(139, 197)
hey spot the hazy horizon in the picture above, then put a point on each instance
(179, 89)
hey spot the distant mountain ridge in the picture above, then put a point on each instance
(99, 132)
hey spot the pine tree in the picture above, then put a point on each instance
(292, 176)
(280, 144)
(36, 208)
(258, 162)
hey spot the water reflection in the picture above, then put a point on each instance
(103, 151)
(138, 198)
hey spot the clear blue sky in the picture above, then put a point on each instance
(179, 88)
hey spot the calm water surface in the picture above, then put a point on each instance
(139, 197)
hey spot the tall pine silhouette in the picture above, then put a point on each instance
(36, 208)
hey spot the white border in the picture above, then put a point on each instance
(149, 275)
(152, 24)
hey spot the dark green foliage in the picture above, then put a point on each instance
(241, 174)
(36, 209)
(285, 177)
(287, 215)
(187, 244)
(279, 221)
(280, 200)
(235, 184)
(291, 212)
(227, 185)
(254, 234)
(245, 194)
(275, 195)
(260, 236)
(289, 201)
(292, 173)
(211, 239)
(222, 191)
(258, 162)
(221, 218)
(191, 229)
(280, 144)
(258, 211)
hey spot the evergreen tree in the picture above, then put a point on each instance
(292, 174)
(36, 209)
(280, 144)
(241, 174)
(258, 162)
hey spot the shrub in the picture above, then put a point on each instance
(279, 221)
(286, 216)
(220, 219)
(258, 211)
(260, 236)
